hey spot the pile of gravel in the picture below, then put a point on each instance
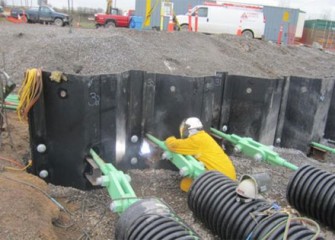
(98, 51)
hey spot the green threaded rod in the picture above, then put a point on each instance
(255, 149)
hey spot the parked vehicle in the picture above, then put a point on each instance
(226, 18)
(17, 12)
(46, 14)
(2, 14)
(113, 18)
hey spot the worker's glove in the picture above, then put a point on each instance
(58, 76)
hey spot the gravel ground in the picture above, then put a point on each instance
(92, 51)
(110, 51)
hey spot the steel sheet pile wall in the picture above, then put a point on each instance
(84, 112)
(111, 113)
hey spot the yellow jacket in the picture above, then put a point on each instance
(204, 148)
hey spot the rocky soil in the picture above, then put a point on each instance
(92, 51)
(27, 210)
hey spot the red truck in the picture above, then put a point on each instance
(115, 18)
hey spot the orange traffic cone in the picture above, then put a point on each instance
(170, 25)
(239, 29)
(280, 34)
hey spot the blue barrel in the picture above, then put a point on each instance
(136, 22)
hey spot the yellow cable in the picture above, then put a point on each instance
(29, 93)
(11, 161)
(30, 163)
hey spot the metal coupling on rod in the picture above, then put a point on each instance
(183, 171)
(258, 157)
(237, 148)
(103, 181)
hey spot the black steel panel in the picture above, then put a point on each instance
(132, 98)
(307, 106)
(226, 101)
(212, 98)
(330, 126)
(271, 111)
(170, 99)
(108, 108)
(37, 132)
(175, 98)
(282, 111)
(251, 106)
(69, 124)
(219, 81)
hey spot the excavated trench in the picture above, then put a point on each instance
(288, 112)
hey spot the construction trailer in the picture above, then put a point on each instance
(319, 31)
(283, 25)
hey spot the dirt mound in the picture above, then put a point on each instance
(25, 210)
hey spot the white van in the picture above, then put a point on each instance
(247, 20)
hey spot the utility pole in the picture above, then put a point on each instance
(109, 6)
(69, 12)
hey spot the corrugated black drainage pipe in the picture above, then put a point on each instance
(150, 219)
(312, 192)
(213, 200)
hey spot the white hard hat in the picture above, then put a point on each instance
(189, 126)
(247, 189)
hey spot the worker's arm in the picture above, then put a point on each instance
(182, 146)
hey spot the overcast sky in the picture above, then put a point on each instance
(313, 8)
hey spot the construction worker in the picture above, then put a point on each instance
(196, 142)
